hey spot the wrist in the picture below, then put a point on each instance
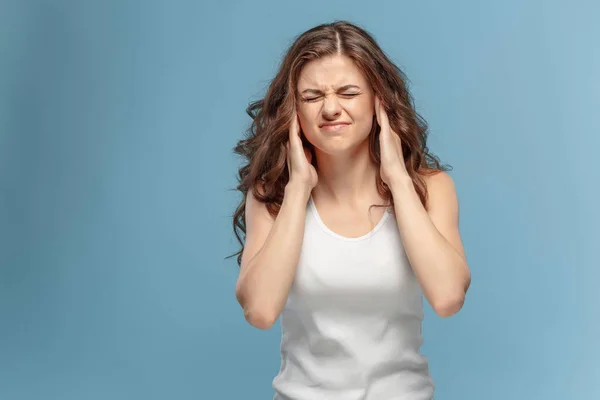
(299, 189)
(401, 185)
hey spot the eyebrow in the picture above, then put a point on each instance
(343, 88)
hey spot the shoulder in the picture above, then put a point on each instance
(441, 190)
(258, 222)
(438, 182)
(255, 206)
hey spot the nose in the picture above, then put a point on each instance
(331, 107)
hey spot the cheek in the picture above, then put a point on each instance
(362, 116)
(362, 113)
(308, 112)
(308, 117)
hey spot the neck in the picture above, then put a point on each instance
(347, 178)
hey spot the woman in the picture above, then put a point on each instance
(348, 222)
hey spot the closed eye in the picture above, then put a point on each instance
(346, 95)
(311, 98)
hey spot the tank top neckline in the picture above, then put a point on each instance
(324, 227)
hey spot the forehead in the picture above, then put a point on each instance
(330, 72)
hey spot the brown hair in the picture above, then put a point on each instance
(264, 145)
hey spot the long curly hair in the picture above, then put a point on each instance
(263, 148)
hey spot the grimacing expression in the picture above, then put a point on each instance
(336, 104)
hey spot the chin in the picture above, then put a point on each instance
(335, 146)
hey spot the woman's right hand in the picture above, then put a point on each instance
(299, 158)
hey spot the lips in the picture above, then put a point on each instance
(333, 124)
(333, 127)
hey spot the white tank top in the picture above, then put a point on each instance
(351, 326)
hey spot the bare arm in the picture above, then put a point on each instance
(273, 246)
(432, 241)
(270, 256)
(430, 235)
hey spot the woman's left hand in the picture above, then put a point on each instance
(390, 146)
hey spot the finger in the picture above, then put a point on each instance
(385, 135)
(397, 144)
(383, 117)
(308, 155)
(294, 128)
(295, 140)
(287, 156)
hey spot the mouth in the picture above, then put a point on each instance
(334, 127)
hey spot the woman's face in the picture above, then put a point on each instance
(336, 104)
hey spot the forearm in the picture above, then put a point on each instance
(266, 283)
(439, 268)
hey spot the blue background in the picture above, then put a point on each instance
(117, 120)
